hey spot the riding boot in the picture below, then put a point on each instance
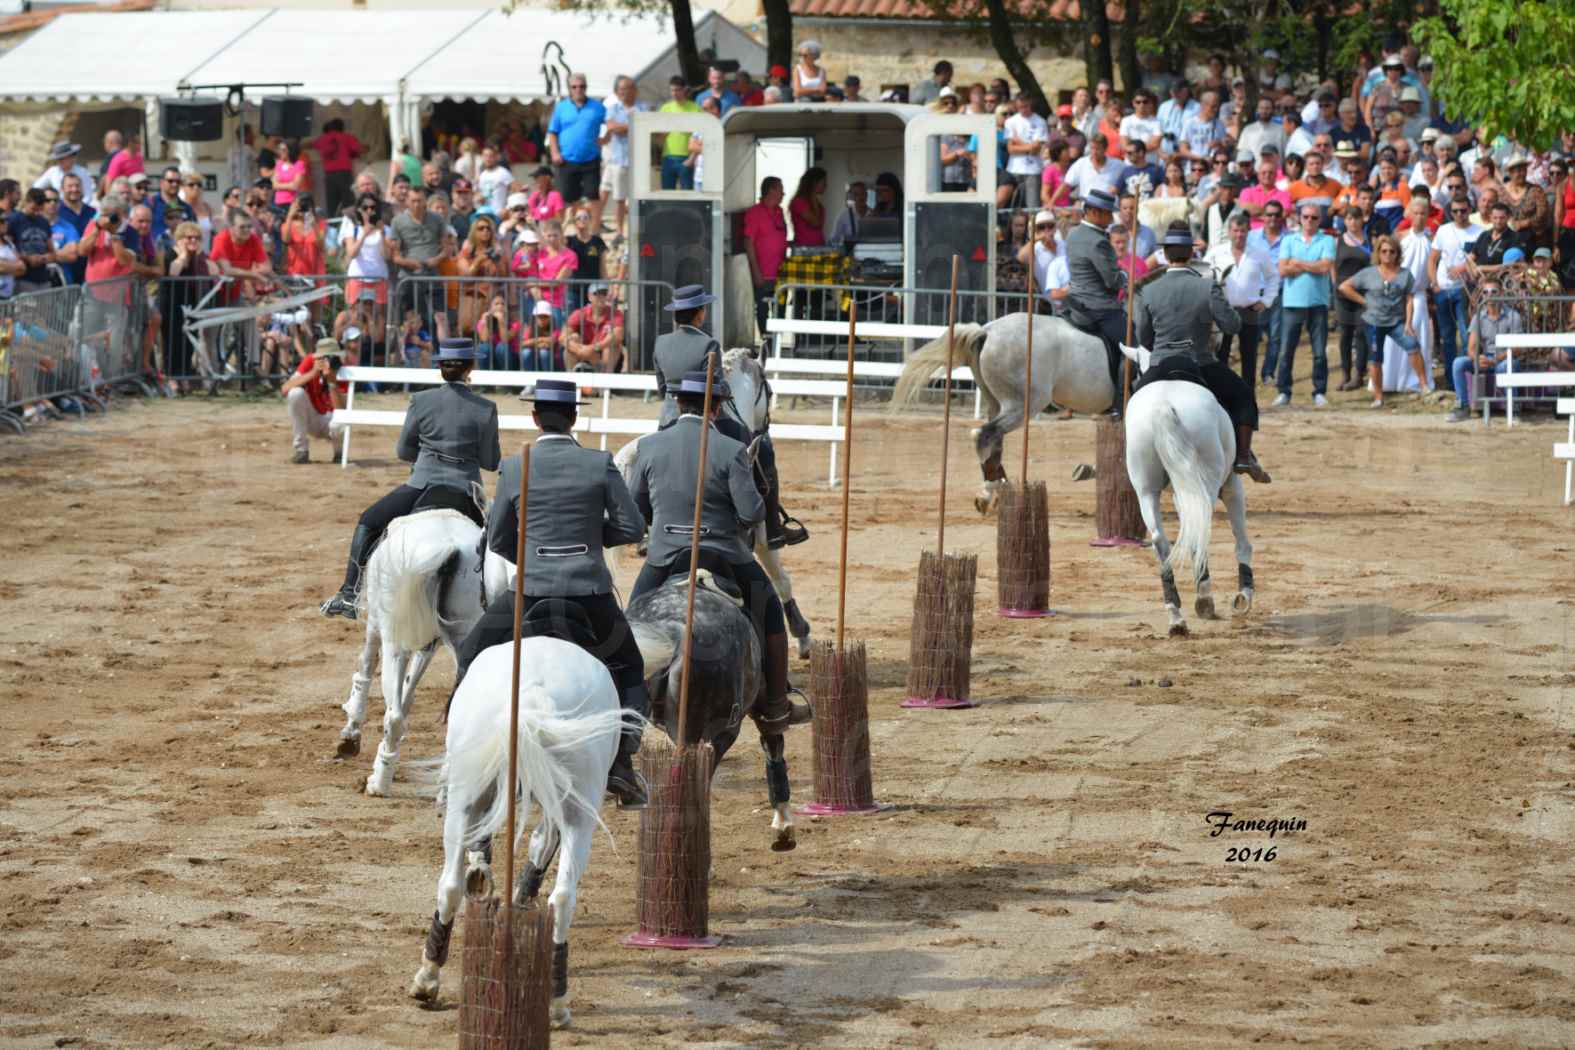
(779, 712)
(624, 783)
(344, 602)
(1246, 462)
(1114, 356)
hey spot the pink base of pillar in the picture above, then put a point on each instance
(946, 703)
(1117, 541)
(1025, 614)
(675, 942)
(824, 809)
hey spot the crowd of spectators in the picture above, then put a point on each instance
(1296, 202)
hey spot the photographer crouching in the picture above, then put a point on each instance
(312, 394)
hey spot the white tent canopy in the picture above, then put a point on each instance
(113, 57)
(511, 57)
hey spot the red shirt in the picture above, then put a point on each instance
(767, 227)
(316, 390)
(338, 149)
(103, 266)
(588, 328)
(245, 256)
(303, 250)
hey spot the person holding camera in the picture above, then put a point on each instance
(108, 257)
(311, 395)
(480, 257)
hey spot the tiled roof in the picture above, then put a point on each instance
(27, 21)
(1058, 10)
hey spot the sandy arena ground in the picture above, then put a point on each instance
(183, 864)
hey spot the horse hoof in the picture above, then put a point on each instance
(982, 505)
(349, 747)
(377, 786)
(424, 987)
(804, 646)
(1242, 602)
(1083, 472)
(478, 880)
(1204, 607)
(784, 840)
(559, 1014)
(1179, 630)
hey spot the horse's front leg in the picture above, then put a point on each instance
(395, 663)
(778, 793)
(355, 706)
(771, 561)
(988, 440)
(1235, 496)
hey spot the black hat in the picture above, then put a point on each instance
(554, 392)
(689, 297)
(694, 383)
(1231, 181)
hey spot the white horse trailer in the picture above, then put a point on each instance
(693, 236)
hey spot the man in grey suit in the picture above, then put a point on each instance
(451, 435)
(684, 350)
(664, 490)
(578, 505)
(1096, 281)
(1174, 312)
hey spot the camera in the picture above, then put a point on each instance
(334, 362)
(292, 318)
(304, 202)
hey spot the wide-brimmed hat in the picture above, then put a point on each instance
(1346, 150)
(1231, 181)
(1099, 198)
(456, 350)
(1410, 94)
(553, 392)
(529, 236)
(1176, 239)
(689, 297)
(1429, 134)
(1393, 60)
(327, 345)
(694, 383)
(62, 150)
(1045, 216)
(1517, 160)
(352, 333)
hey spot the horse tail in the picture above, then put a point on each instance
(921, 366)
(478, 749)
(1194, 498)
(406, 586)
(657, 648)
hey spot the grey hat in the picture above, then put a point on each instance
(694, 383)
(1176, 239)
(554, 392)
(456, 350)
(1231, 181)
(689, 297)
(62, 150)
(1099, 198)
(599, 288)
(1542, 253)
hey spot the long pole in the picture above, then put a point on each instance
(1126, 362)
(694, 555)
(847, 480)
(1028, 380)
(946, 411)
(514, 681)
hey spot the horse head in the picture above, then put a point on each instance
(1138, 355)
(751, 392)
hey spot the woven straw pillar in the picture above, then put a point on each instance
(941, 647)
(673, 903)
(1117, 520)
(507, 983)
(1022, 551)
(839, 687)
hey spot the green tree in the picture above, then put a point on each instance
(1505, 66)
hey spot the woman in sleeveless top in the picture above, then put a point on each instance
(809, 77)
(366, 250)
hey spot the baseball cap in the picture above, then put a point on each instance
(543, 309)
(946, 92)
(517, 200)
(138, 179)
(1514, 255)
(1064, 110)
(778, 71)
(461, 185)
(1045, 216)
(528, 236)
(1270, 55)
(352, 333)
(851, 81)
(1393, 60)
(1542, 253)
(1410, 94)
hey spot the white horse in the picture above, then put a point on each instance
(1070, 368)
(751, 399)
(1178, 434)
(569, 723)
(421, 586)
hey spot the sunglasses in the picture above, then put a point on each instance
(1045, 226)
(1310, 217)
(194, 184)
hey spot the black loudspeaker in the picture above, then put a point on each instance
(941, 230)
(191, 119)
(673, 243)
(287, 116)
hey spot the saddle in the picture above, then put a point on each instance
(1178, 369)
(565, 621)
(726, 586)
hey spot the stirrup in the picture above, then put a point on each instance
(793, 530)
(339, 605)
(1253, 469)
(627, 788)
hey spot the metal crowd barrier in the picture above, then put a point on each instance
(454, 305)
(63, 349)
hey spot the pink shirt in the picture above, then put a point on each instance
(284, 171)
(805, 231)
(526, 262)
(766, 227)
(123, 163)
(552, 265)
(1052, 178)
(1258, 196)
(545, 206)
(1135, 266)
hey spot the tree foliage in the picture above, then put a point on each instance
(1507, 66)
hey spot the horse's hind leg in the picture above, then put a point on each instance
(1154, 518)
(543, 847)
(355, 706)
(418, 667)
(577, 835)
(395, 700)
(1235, 496)
(1203, 604)
(778, 793)
(987, 442)
(451, 885)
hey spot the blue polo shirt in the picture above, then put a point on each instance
(578, 128)
(725, 101)
(1306, 289)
